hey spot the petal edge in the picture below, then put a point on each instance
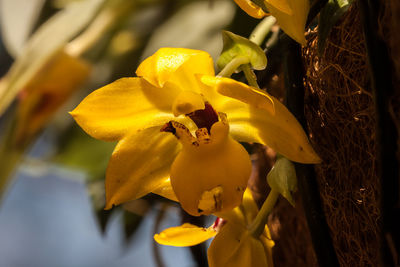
(184, 236)
(139, 164)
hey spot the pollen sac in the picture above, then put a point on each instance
(211, 172)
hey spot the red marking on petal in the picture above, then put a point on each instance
(219, 222)
(204, 118)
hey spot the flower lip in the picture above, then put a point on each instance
(204, 118)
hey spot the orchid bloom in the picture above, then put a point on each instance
(290, 14)
(154, 115)
(233, 245)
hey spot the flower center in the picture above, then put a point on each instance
(211, 171)
(204, 120)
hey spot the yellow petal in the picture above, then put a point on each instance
(209, 93)
(251, 9)
(139, 164)
(255, 123)
(46, 92)
(250, 208)
(123, 107)
(184, 236)
(187, 102)
(235, 247)
(164, 189)
(235, 215)
(268, 244)
(250, 253)
(225, 244)
(244, 214)
(240, 91)
(293, 24)
(176, 66)
(282, 132)
(281, 5)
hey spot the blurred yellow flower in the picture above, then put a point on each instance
(290, 14)
(251, 8)
(233, 244)
(53, 84)
(176, 92)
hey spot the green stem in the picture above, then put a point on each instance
(250, 76)
(258, 225)
(262, 29)
(10, 156)
(8, 164)
(232, 66)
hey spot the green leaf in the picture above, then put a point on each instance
(344, 3)
(78, 150)
(328, 17)
(282, 178)
(238, 46)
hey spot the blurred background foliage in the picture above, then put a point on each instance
(55, 52)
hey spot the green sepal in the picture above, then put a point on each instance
(282, 178)
(93, 154)
(237, 46)
(329, 16)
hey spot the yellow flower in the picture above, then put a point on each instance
(176, 92)
(290, 14)
(54, 83)
(233, 244)
(251, 8)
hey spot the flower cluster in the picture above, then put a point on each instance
(233, 245)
